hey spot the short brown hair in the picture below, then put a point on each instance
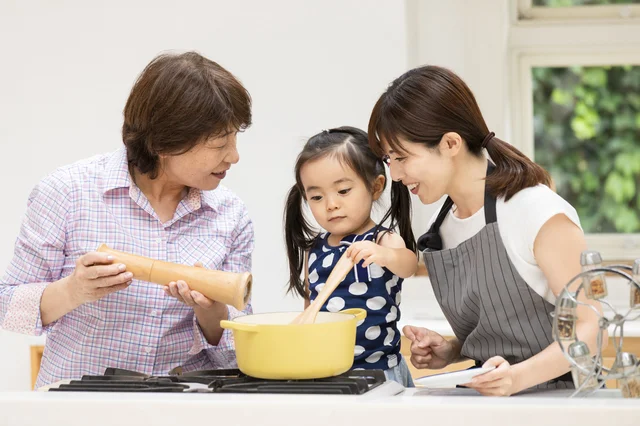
(178, 101)
(425, 103)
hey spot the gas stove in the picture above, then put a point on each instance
(354, 382)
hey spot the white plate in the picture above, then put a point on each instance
(446, 380)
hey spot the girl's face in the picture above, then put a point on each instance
(337, 196)
(426, 172)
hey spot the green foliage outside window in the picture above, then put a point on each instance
(587, 134)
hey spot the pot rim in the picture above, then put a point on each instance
(348, 314)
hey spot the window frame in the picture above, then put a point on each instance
(526, 11)
(539, 44)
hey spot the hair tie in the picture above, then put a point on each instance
(486, 140)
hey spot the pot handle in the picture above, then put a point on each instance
(359, 313)
(232, 325)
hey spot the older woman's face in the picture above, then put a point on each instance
(204, 165)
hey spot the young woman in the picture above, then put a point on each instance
(502, 247)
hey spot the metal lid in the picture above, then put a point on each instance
(566, 301)
(578, 349)
(626, 359)
(590, 257)
(636, 267)
(625, 364)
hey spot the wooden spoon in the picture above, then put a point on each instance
(230, 288)
(342, 268)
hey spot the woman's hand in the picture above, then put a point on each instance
(181, 291)
(428, 348)
(499, 382)
(95, 277)
(370, 252)
(208, 312)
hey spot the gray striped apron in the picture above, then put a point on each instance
(490, 307)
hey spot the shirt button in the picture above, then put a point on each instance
(158, 240)
(154, 313)
(148, 349)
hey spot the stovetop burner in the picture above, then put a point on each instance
(355, 382)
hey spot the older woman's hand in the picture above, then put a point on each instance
(181, 291)
(95, 277)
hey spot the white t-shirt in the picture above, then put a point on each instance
(519, 221)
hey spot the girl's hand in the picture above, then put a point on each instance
(370, 252)
(181, 291)
(499, 382)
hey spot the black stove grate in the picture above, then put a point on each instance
(355, 382)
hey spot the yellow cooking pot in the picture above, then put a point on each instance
(268, 346)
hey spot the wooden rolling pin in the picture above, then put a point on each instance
(230, 288)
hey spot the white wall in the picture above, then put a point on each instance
(67, 68)
(470, 38)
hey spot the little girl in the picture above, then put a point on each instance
(339, 176)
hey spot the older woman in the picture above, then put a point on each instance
(158, 196)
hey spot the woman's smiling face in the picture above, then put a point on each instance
(426, 172)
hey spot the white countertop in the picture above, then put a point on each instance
(413, 406)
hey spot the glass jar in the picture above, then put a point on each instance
(595, 285)
(564, 320)
(579, 351)
(635, 291)
(627, 365)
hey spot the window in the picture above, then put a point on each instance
(575, 95)
(578, 9)
(586, 124)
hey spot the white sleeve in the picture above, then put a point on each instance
(549, 205)
(527, 212)
(520, 220)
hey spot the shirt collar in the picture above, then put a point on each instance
(117, 171)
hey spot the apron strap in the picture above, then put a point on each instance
(431, 240)
(490, 215)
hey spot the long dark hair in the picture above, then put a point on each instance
(425, 103)
(350, 146)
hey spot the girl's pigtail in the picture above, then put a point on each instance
(400, 214)
(297, 233)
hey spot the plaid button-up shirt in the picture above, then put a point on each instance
(74, 210)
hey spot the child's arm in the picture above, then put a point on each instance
(402, 261)
(390, 252)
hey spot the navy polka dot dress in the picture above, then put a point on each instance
(375, 289)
